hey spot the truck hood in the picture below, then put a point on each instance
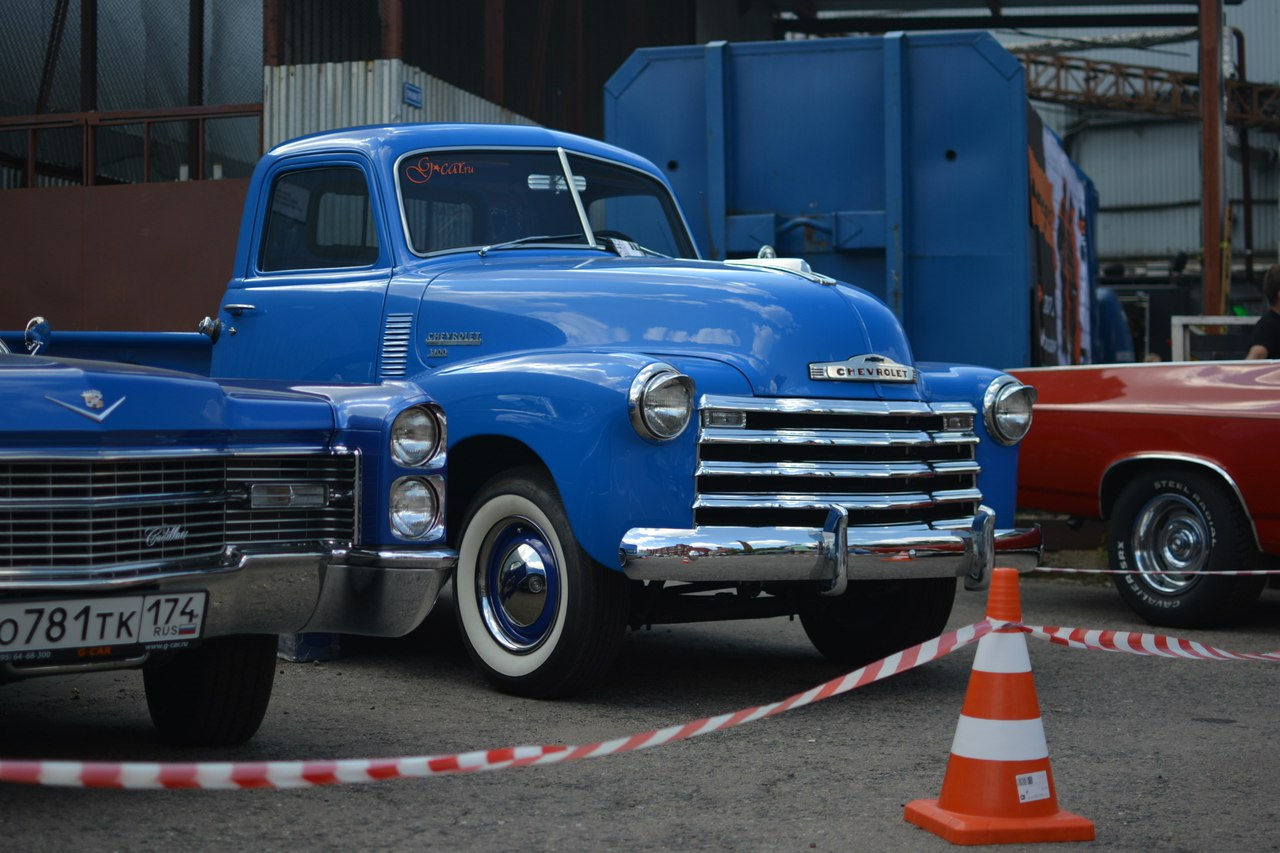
(83, 406)
(768, 324)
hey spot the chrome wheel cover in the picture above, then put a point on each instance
(518, 585)
(1170, 535)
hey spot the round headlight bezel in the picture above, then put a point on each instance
(655, 416)
(410, 521)
(415, 451)
(1007, 410)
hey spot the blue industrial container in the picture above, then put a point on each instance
(897, 163)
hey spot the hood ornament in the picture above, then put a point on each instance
(92, 400)
(862, 368)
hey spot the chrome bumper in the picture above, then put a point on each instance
(378, 593)
(831, 556)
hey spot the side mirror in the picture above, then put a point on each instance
(211, 327)
(37, 335)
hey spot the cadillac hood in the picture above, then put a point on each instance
(787, 333)
(85, 405)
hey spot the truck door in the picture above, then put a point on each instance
(307, 303)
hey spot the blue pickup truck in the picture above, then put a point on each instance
(635, 435)
(163, 521)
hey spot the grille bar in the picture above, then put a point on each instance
(832, 437)
(827, 470)
(852, 502)
(158, 499)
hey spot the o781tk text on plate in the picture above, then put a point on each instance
(35, 630)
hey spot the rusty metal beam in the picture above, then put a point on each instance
(271, 36)
(853, 23)
(89, 122)
(1137, 88)
(392, 15)
(51, 50)
(88, 55)
(495, 34)
(1216, 257)
(195, 86)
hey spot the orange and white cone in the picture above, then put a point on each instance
(998, 787)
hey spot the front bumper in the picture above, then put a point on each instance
(343, 590)
(831, 556)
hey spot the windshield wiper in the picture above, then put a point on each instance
(537, 238)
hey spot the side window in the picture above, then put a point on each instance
(319, 219)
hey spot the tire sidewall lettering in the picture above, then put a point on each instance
(1177, 486)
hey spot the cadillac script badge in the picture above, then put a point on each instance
(863, 368)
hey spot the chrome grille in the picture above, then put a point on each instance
(784, 462)
(103, 518)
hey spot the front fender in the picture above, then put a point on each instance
(363, 415)
(570, 410)
(999, 478)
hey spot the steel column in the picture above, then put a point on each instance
(1213, 269)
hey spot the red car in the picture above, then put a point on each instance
(1181, 459)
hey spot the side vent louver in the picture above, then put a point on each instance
(395, 345)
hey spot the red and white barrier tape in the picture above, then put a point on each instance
(1229, 573)
(1154, 645)
(302, 774)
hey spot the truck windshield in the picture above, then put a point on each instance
(503, 199)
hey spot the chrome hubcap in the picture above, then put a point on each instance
(518, 585)
(1171, 538)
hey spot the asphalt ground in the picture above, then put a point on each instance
(1159, 754)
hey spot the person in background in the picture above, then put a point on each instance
(1266, 334)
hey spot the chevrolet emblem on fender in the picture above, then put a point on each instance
(863, 368)
(92, 400)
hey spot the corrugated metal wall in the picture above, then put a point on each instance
(1147, 169)
(301, 99)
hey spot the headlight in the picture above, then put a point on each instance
(660, 402)
(1006, 409)
(415, 436)
(415, 508)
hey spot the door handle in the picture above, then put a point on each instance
(236, 309)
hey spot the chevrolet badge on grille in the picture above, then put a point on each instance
(863, 368)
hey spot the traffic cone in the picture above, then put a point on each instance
(998, 788)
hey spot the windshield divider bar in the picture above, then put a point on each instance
(577, 199)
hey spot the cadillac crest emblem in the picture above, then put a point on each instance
(95, 408)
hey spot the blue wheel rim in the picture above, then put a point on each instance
(518, 585)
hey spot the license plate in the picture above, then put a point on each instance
(28, 628)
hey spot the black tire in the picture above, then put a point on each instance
(556, 621)
(874, 619)
(213, 695)
(1189, 523)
